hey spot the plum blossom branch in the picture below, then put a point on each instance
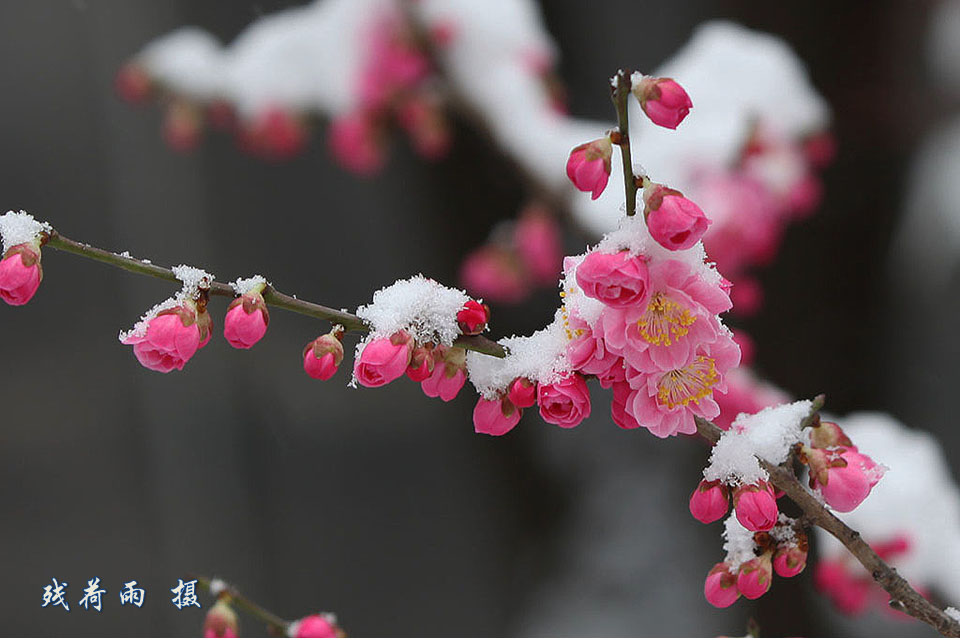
(903, 596)
(620, 89)
(272, 296)
(221, 590)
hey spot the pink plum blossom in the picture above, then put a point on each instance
(539, 245)
(421, 363)
(316, 626)
(20, 274)
(449, 374)
(565, 403)
(720, 587)
(790, 560)
(277, 134)
(663, 100)
(674, 221)
(756, 506)
(495, 273)
(844, 476)
(383, 360)
(589, 166)
(171, 337)
(473, 318)
(322, 356)
(522, 392)
(710, 501)
(355, 143)
(495, 417)
(246, 321)
(220, 622)
(132, 83)
(618, 407)
(754, 576)
(619, 280)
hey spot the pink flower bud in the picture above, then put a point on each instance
(421, 363)
(449, 374)
(539, 244)
(182, 126)
(753, 579)
(675, 222)
(849, 593)
(622, 417)
(790, 560)
(132, 83)
(709, 501)
(523, 393)
(220, 622)
(322, 356)
(277, 134)
(495, 273)
(20, 274)
(246, 321)
(756, 506)
(355, 143)
(425, 121)
(383, 360)
(473, 318)
(620, 280)
(495, 417)
(316, 626)
(827, 435)
(589, 166)
(663, 100)
(565, 403)
(720, 588)
(844, 476)
(171, 337)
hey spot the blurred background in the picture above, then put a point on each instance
(383, 505)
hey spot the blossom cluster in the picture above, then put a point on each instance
(760, 539)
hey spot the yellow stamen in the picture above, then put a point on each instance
(688, 384)
(665, 321)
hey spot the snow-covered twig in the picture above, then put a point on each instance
(903, 596)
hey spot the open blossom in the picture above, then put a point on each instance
(844, 475)
(674, 221)
(315, 626)
(449, 373)
(720, 588)
(618, 407)
(756, 506)
(495, 417)
(710, 501)
(246, 321)
(20, 274)
(589, 166)
(171, 337)
(322, 356)
(619, 280)
(754, 576)
(383, 360)
(663, 100)
(565, 403)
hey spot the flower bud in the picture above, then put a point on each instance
(663, 100)
(449, 374)
(473, 317)
(674, 221)
(539, 244)
(589, 166)
(709, 501)
(844, 476)
(246, 321)
(756, 506)
(565, 403)
(421, 363)
(277, 134)
(20, 273)
(132, 83)
(167, 340)
(522, 392)
(827, 435)
(316, 626)
(220, 621)
(322, 356)
(753, 579)
(496, 273)
(356, 144)
(720, 588)
(619, 280)
(495, 417)
(182, 126)
(384, 360)
(791, 559)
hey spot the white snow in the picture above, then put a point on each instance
(768, 434)
(422, 307)
(541, 357)
(737, 542)
(953, 613)
(243, 286)
(140, 328)
(784, 531)
(20, 227)
(193, 279)
(918, 499)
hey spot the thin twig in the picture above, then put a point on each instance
(273, 297)
(902, 595)
(264, 615)
(620, 86)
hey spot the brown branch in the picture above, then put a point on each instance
(273, 297)
(902, 595)
(619, 93)
(276, 625)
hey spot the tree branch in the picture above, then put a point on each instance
(902, 595)
(273, 297)
(263, 615)
(620, 86)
